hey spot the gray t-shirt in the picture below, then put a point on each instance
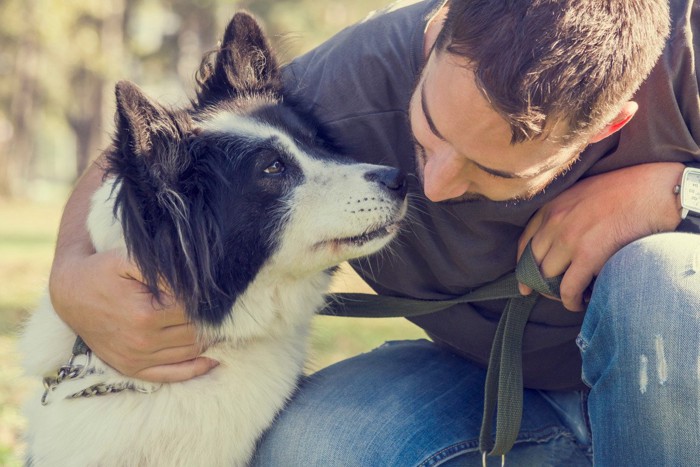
(358, 84)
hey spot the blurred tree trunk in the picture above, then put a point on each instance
(91, 84)
(85, 117)
(24, 109)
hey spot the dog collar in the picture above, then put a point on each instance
(78, 367)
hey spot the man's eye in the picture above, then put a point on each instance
(276, 167)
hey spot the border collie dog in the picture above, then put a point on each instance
(239, 207)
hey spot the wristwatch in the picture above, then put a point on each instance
(689, 191)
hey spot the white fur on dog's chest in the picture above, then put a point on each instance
(211, 420)
(220, 415)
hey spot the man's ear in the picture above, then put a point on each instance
(623, 117)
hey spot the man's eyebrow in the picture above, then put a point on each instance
(426, 113)
(436, 132)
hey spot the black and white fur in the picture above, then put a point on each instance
(238, 206)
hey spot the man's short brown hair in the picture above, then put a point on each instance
(543, 61)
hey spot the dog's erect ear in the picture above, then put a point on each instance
(243, 64)
(141, 122)
(168, 226)
(245, 56)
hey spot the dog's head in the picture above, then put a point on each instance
(210, 196)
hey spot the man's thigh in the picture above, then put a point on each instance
(407, 403)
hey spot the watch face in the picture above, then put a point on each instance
(690, 191)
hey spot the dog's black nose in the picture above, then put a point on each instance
(394, 180)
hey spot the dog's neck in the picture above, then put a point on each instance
(272, 307)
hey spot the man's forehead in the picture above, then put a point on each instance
(557, 128)
(462, 114)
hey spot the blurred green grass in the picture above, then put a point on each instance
(27, 232)
(27, 237)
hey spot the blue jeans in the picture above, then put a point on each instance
(411, 403)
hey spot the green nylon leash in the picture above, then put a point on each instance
(504, 382)
(504, 377)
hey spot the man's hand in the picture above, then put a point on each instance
(576, 233)
(101, 298)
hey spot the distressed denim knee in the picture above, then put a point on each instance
(640, 343)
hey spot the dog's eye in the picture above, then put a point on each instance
(276, 167)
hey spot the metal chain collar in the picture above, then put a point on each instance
(77, 370)
(103, 389)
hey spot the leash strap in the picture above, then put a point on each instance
(503, 394)
(504, 377)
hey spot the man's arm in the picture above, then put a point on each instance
(576, 233)
(100, 297)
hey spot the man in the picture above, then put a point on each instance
(517, 118)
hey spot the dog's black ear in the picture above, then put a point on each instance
(243, 65)
(143, 123)
(149, 160)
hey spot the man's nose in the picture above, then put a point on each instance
(443, 177)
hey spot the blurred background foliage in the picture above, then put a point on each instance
(59, 61)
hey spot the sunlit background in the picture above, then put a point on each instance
(59, 61)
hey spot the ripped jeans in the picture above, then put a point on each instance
(411, 403)
(640, 343)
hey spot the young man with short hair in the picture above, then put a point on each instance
(562, 123)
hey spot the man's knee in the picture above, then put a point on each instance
(646, 302)
(649, 288)
(654, 275)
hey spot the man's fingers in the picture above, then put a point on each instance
(175, 355)
(540, 246)
(554, 262)
(576, 287)
(174, 344)
(530, 230)
(524, 289)
(177, 372)
(573, 288)
(147, 313)
(166, 346)
(133, 363)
